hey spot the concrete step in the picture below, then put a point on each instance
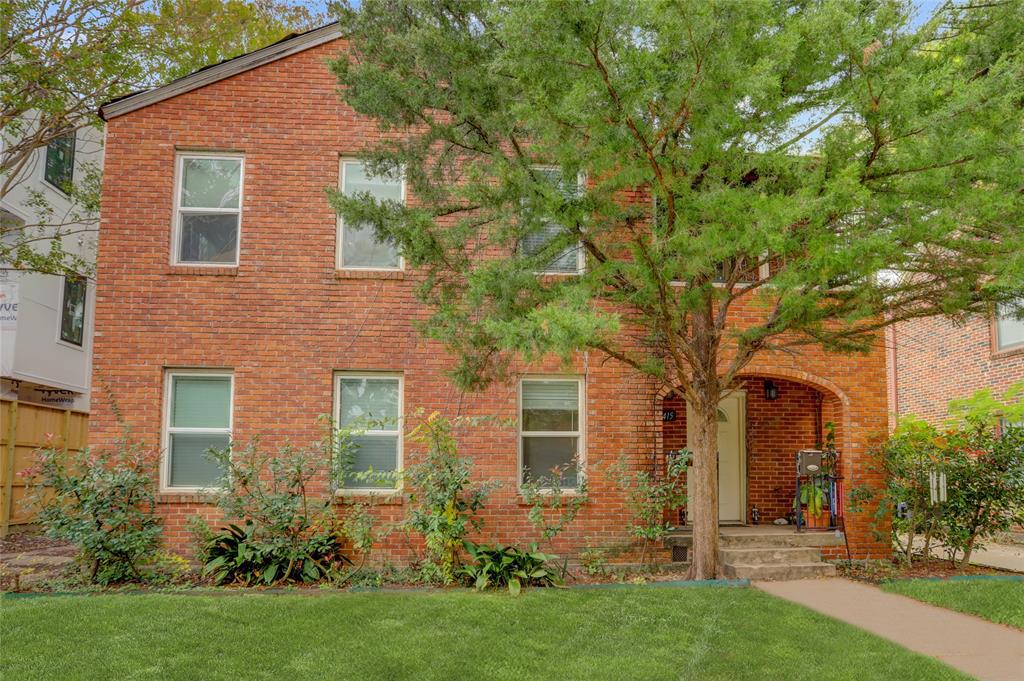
(770, 556)
(779, 572)
(740, 539)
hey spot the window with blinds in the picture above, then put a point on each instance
(550, 431)
(371, 405)
(198, 419)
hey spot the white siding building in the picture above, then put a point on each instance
(46, 321)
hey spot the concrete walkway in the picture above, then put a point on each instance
(985, 650)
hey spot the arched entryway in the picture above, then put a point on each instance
(762, 425)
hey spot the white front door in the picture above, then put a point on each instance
(731, 457)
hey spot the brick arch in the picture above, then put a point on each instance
(763, 479)
(822, 385)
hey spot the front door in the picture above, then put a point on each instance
(731, 458)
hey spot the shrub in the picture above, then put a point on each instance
(983, 461)
(649, 495)
(103, 502)
(508, 566)
(444, 502)
(288, 532)
(987, 487)
(552, 509)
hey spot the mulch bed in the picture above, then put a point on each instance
(876, 572)
(34, 542)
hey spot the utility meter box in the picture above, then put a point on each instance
(808, 461)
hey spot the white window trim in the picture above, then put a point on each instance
(339, 257)
(60, 316)
(581, 256)
(179, 210)
(399, 430)
(580, 434)
(1000, 346)
(166, 429)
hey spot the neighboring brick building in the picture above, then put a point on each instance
(201, 334)
(934, 360)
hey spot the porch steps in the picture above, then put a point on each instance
(767, 553)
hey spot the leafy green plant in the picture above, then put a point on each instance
(650, 495)
(243, 555)
(552, 507)
(594, 561)
(102, 501)
(981, 458)
(444, 501)
(508, 566)
(290, 531)
(812, 495)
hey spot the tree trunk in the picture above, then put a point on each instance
(703, 502)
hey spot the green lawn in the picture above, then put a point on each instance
(996, 600)
(630, 633)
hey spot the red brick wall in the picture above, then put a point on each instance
(284, 320)
(934, 361)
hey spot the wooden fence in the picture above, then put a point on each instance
(24, 428)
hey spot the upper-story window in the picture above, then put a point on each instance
(569, 260)
(359, 246)
(1010, 326)
(60, 162)
(208, 209)
(72, 310)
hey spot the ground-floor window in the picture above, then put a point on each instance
(198, 418)
(550, 430)
(370, 406)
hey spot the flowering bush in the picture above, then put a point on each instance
(103, 502)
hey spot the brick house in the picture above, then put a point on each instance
(934, 360)
(232, 302)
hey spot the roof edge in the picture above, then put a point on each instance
(225, 69)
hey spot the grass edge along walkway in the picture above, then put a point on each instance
(996, 598)
(639, 633)
(985, 650)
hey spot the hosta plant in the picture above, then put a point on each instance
(509, 566)
(242, 555)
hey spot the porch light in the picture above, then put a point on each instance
(771, 391)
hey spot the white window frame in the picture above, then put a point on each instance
(339, 257)
(581, 256)
(399, 428)
(179, 210)
(60, 318)
(580, 434)
(1000, 347)
(167, 430)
